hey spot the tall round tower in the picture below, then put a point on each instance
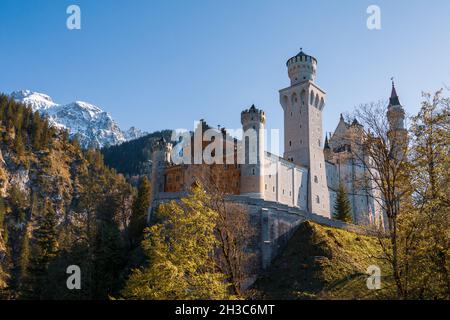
(160, 158)
(303, 102)
(302, 67)
(252, 171)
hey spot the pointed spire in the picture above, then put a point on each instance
(394, 100)
(327, 145)
(342, 117)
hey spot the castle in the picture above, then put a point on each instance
(304, 181)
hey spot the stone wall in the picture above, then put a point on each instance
(274, 224)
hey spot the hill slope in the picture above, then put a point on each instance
(324, 263)
(56, 196)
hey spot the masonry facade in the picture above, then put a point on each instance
(308, 174)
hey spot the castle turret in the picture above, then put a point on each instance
(160, 159)
(396, 117)
(302, 104)
(327, 149)
(252, 171)
(302, 67)
(395, 113)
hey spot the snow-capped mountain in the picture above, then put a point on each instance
(91, 125)
(134, 133)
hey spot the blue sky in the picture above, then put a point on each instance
(159, 64)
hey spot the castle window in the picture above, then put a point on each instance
(318, 142)
(316, 180)
(317, 199)
(290, 143)
(283, 191)
(266, 186)
(273, 188)
(253, 171)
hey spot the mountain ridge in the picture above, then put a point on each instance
(90, 124)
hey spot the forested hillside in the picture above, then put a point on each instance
(59, 206)
(132, 158)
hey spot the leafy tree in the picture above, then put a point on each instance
(181, 250)
(342, 207)
(424, 225)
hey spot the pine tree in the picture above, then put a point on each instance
(18, 144)
(343, 210)
(24, 257)
(139, 213)
(108, 251)
(3, 242)
(44, 251)
(3, 226)
(3, 274)
(37, 131)
(17, 204)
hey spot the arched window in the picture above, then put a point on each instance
(286, 100)
(317, 199)
(312, 98)
(316, 180)
(316, 103)
(322, 104)
(294, 99)
(303, 97)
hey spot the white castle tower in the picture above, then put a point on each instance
(252, 172)
(302, 104)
